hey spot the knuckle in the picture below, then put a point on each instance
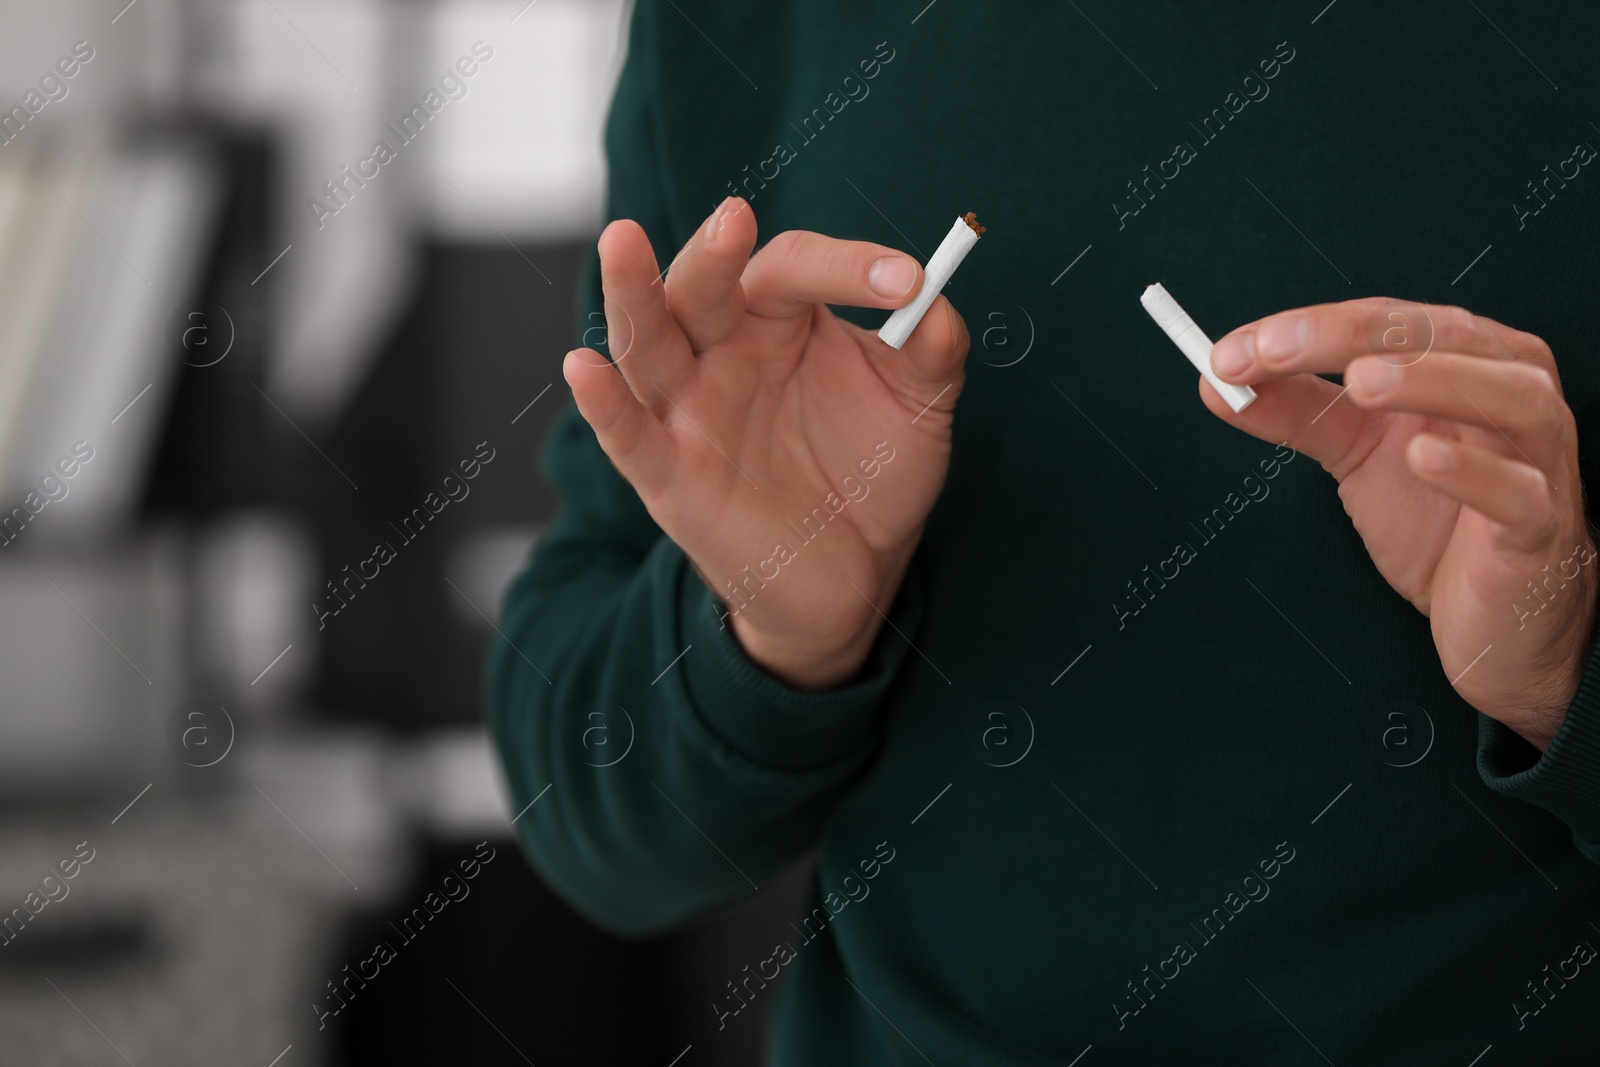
(1373, 308)
(838, 259)
(1539, 395)
(1529, 346)
(1455, 321)
(1538, 508)
(787, 246)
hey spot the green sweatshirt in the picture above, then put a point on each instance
(1152, 765)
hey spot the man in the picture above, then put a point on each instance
(1127, 727)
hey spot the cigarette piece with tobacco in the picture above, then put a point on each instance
(951, 251)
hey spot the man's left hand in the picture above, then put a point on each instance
(1457, 460)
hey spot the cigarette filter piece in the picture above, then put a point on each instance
(1193, 342)
(951, 251)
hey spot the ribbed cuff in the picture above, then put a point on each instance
(1565, 780)
(766, 721)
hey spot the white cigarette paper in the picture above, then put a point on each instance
(951, 251)
(1192, 341)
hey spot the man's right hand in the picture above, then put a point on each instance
(743, 404)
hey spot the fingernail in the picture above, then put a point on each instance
(1434, 455)
(892, 276)
(1376, 377)
(1282, 336)
(714, 221)
(1234, 355)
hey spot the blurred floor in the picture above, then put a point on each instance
(199, 930)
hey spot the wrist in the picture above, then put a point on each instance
(1539, 724)
(815, 663)
(798, 664)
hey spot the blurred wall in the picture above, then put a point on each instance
(228, 363)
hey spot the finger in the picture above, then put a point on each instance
(639, 446)
(645, 341)
(703, 291)
(1516, 401)
(798, 268)
(1304, 412)
(1508, 492)
(1324, 338)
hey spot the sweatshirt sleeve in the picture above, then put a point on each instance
(1565, 779)
(657, 772)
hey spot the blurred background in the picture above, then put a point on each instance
(241, 346)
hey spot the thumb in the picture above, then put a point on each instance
(931, 364)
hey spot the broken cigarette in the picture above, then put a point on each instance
(951, 251)
(1193, 342)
